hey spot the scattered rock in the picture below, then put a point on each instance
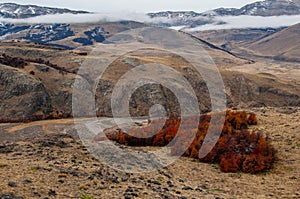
(7, 147)
(130, 195)
(12, 184)
(287, 110)
(156, 182)
(198, 189)
(10, 196)
(52, 192)
(27, 181)
(183, 197)
(115, 180)
(170, 184)
(178, 192)
(187, 188)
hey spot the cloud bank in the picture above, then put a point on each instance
(228, 22)
(81, 18)
(239, 22)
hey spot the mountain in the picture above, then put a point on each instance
(191, 19)
(263, 8)
(260, 8)
(16, 11)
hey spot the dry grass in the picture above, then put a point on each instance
(71, 171)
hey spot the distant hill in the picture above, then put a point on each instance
(230, 39)
(280, 44)
(284, 45)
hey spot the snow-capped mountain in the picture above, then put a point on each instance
(16, 11)
(260, 8)
(266, 8)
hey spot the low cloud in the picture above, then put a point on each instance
(227, 22)
(81, 18)
(232, 22)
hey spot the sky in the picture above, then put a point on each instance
(108, 6)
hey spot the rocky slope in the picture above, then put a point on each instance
(22, 95)
(32, 88)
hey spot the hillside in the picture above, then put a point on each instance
(279, 44)
(284, 45)
(40, 79)
(234, 40)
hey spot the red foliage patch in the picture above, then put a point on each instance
(237, 149)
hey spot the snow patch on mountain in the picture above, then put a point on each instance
(16, 11)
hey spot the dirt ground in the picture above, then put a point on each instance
(46, 160)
